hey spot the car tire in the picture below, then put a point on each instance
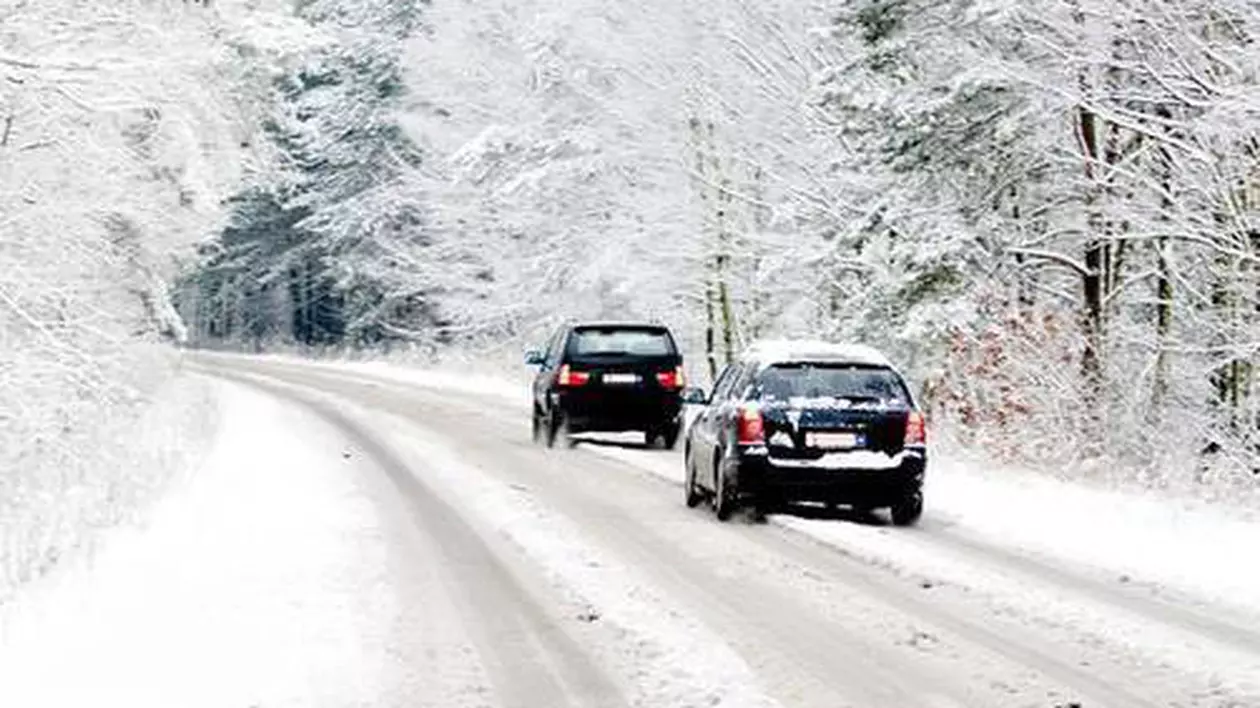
(553, 428)
(649, 438)
(909, 510)
(669, 438)
(536, 427)
(723, 493)
(570, 441)
(691, 493)
(760, 509)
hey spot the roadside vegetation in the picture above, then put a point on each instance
(1045, 210)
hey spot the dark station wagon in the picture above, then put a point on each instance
(808, 421)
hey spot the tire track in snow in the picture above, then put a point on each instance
(531, 660)
(866, 673)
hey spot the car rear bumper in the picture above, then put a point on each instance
(759, 475)
(597, 411)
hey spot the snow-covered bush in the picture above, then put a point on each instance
(1093, 163)
(123, 125)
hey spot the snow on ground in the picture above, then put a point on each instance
(1152, 543)
(1188, 545)
(110, 461)
(265, 581)
(1183, 550)
(667, 657)
(1185, 546)
(1182, 546)
(486, 386)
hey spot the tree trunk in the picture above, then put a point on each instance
(722, 247)
(722, 262)
(1163, 286)
(700, 147)
(709, 333)
(1163, 326)
(758, 312)
(1093, 281)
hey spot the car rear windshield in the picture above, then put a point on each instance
(621, 342)
(822, 380)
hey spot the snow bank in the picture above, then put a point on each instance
(263, 582)
(462, 380)
(126, 124)
(1186, 545)
(104, 465)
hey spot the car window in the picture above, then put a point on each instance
(621, 341)
(731, 386)
(555, 347)
(820, 380)
(723, 383)
(743, 380)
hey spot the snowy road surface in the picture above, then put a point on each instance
(366, 539)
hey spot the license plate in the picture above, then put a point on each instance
(835, 441)
(621, 378)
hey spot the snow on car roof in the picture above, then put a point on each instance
(788, 350)
(617, 324)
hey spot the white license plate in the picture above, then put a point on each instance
(833, 441)
(621, 378)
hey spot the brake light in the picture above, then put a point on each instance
(671, 379)
(569, 377)
(916, 429)
(750, 426)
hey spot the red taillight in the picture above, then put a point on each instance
(569, 377)
(671, 379)
(916, 429)
(751, 428)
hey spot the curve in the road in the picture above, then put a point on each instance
(817, 654)
(530, 658)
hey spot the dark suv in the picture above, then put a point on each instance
(808, 421)
(608, 378)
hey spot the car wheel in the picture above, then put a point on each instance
(692, 493)
(909, 510)
(570, 440)
(760, 510)
(723, 494)
(553, 428)
(670, 437)
(536, 427)
(649, 438)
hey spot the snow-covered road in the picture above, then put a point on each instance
(375, 537)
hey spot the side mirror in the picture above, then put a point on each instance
(533, 357)
(695, 396)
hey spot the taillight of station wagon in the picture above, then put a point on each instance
(751, 427)
(916, 429)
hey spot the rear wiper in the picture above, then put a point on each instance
(850, 399)
(861, 399)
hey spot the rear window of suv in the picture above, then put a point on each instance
(621, 341)
(783, 382)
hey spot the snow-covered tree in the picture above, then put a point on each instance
(1045, 210)
(123, 125)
